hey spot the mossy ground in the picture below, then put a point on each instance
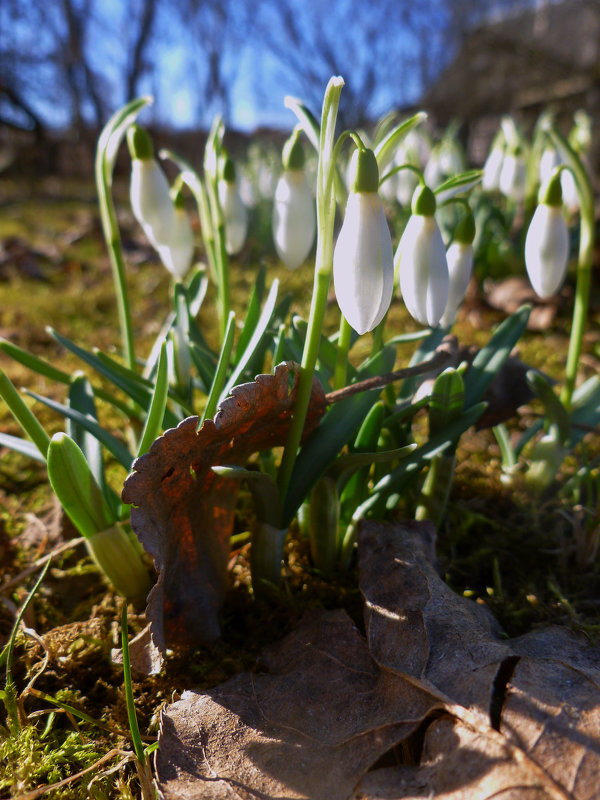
(496, 544)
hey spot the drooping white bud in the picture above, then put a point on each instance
(178, 253)
(235, 213)
(547, 241)
(363, 271)
(421, 262)
(294, 218)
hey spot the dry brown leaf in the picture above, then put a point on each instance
(184, 513)
(308, 730)
(484, 717)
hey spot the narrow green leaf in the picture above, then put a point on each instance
(205, 364)
(555, 412)
(74, 485)
(447, 400)
(220, 374)
(462, 181)
(196, 291)
(134, 386)
(113, 132)
(112, 444)
(490, 359)
(252, 314)
(22, 446)
(263, 487)
(366, 441)
(339, 426)
(425, 351)
(387, 146)
(254, 342)
(396, 480)
(33, 362)
(24, 416)
(307, 119)
(81, 398)
(156, 412)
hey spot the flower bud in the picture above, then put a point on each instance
(363, 271)
(460, 265)
(177, 254)
(511, 181)
(490, 181)
(235, 213)
(547, 241)
(149, 189)
(294, 217)
(421, 262)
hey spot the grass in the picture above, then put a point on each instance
(495, 545)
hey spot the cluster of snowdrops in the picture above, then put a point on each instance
(366, 457)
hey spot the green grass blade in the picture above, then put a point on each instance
(24, 416)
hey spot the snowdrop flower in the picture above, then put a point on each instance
(460, 265)
(547, 241)
(363, 271)
(548, 161)
(235, 213)
(294, 216)
(490, 181)
(149, 189)
(177, 254)
(511, 181)
(434, 174)
(421, 261)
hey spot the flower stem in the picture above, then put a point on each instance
(323, 270)
(108, 144)
(584, 262)
(343, 346)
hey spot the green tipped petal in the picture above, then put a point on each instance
(139, 143)
(423, 202)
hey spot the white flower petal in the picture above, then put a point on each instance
(363, 271)
(490, 180)
(512, 177)
(235, 215)
(294, 218)
(177, 255)
(423, 270)
(151, 201)
(460, 265)
(547, 250)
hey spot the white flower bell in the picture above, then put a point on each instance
(235, 213)
(421, 261)
(547, 241)
(149, 189)
(490, 180)
(177, 254)
(513, 173)
(460, 265)
(294, 215)
(363, 271)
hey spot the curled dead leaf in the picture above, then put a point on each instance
(183, 513)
